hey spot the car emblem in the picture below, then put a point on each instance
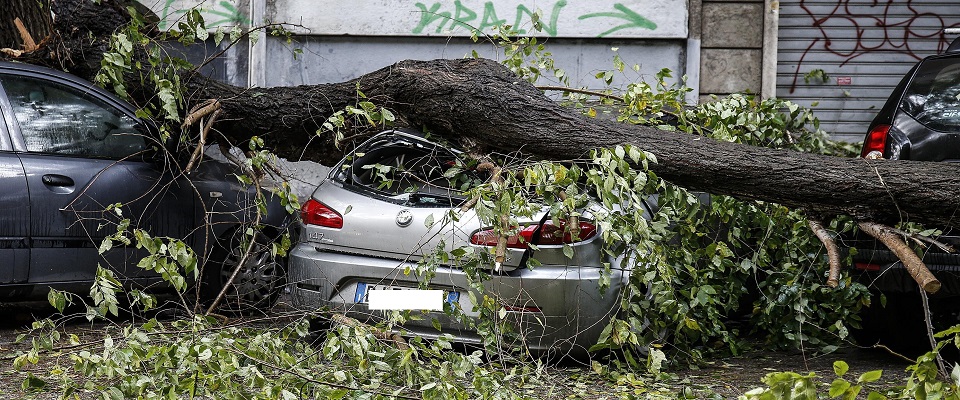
(404, 218)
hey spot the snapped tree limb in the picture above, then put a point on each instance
(833, 252)
(917, 269)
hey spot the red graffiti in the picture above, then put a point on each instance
(852, 30)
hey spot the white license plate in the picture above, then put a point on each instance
(364, 288)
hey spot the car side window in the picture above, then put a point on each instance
(59, 119)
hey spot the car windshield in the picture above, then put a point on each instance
(407, 171)
(933, 98)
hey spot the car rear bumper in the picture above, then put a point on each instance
(554, 309)
(878, 268)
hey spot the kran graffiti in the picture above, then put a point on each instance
(461, 17)
(633, 19)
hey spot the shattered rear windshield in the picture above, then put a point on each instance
(933, 98)
(408, 172)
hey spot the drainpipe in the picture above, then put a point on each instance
(692, 65)
(693, 71)
(771, 28)
(257, 43)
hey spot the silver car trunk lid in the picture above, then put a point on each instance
(387, 229)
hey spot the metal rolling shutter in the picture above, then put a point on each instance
(864, 46)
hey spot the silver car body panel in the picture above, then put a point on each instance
(370, 228)
(572, 309)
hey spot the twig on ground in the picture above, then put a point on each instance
(378, 333)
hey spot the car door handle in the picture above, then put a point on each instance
(56, 180)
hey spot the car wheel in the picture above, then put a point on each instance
(259, 279)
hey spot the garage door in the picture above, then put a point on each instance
(844, 57)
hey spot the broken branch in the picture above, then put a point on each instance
(28, 43)
(920, 239)
(485, 166)
(914, 265)
(198, 152)
(199, 111)
(833, 252)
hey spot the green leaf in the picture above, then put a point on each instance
(838, 387)
(568, 250)
(201, 32)
(635, 154)
(655, 360)
(691, 324)
(840, 367)
(57, 299)
(32, 383)
(105, 245)
(218, 35)
(870, 376)
(111, 393)
(428, 222)
(205, 355)
(169, 99)
(649, 156)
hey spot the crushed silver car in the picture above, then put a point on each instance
(362, 233)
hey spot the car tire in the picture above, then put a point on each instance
(257, 284)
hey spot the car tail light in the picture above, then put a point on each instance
(866, 266)
(549, 234)
(316, 213)
(876, 142)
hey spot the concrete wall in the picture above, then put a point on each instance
(338, 58)
(735, 40)
(342, 40)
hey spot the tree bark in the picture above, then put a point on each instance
(36, 23)
(479, 104)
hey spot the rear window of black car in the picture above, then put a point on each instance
(933, 97)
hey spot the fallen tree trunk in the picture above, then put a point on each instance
(479, 101)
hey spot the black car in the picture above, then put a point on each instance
(69, 151)
(920, 121)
